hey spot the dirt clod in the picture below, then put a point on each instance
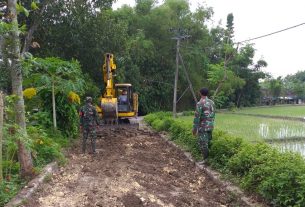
(131, 200)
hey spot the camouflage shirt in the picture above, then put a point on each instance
(204, 115)
(88, 116)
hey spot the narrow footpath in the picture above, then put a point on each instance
(132, 168)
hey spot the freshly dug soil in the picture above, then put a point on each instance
(132, 168)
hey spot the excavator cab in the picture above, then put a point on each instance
(127, 100)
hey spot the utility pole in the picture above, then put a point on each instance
(176, 80)
(179, 35)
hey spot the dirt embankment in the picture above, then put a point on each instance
(132, 168)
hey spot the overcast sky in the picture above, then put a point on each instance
(284, 52)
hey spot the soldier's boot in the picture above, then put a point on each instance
(204, 149)
(205, 152)
(93, 139)
(84, 145)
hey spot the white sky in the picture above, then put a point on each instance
(284, 52)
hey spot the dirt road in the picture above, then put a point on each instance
(132, 168)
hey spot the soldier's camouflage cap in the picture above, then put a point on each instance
(88, 99)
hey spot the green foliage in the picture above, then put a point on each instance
(66, 76)
(34, 5)
(5, 27)
(163, 121)
(294, 84)
(10, 167)
(68, 118)
(22, 9)
(224, 147)
(188, 113)
(42, 72)
(39, 118)
(9, 188)
(67, 114)
(45, 148)
(249, 156)
(277, 177)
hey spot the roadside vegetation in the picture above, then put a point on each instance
(278, 177)
(43, 139)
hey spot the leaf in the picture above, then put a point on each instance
(34, 5)
(26, 12)
(23, 28)
(19, 8)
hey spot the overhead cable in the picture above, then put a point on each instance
(272, 33)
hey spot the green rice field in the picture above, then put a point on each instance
(285, 110)
(279, 132)
(257, 128)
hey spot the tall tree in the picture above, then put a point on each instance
(13, 54)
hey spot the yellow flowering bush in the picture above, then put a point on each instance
(73, 97)
(29, 93)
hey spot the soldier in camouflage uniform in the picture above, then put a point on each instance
(204, 122)
(88, 122)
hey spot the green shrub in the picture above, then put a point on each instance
(223, 148)
(180, 132)
(249, 156)
(188, 113)
(150, 118)
(45, 149)
(10, 167)
(278, 179)
(40, 118)
(9, 188)
(67, 115)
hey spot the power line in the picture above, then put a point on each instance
(147, 80)
(266, 35)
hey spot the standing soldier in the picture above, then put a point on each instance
(204, 122)
(88, 122)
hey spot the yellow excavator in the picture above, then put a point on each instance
(118, 104)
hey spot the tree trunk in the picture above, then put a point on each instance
(1, 134)
(24, 156)
(53, 105)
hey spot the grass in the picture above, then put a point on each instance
(289, 111)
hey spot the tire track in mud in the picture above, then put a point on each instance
(132, 168)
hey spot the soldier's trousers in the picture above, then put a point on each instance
(89, 132)
(204, 141)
